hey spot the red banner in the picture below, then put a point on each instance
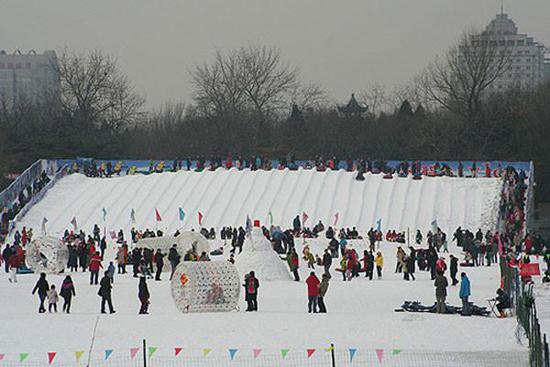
(529, 270)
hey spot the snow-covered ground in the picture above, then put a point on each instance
(226, 197)
(361, 315)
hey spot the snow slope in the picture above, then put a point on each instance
(226, 197)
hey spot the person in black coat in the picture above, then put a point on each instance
(159, 259)
(327, 261)
(411, 264)
(453, 268)
(143, 295)
(174, 257)
(42, 287)
(105, 287)
(251, 285)
(67, 292)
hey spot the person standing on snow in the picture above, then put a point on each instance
(67, 292)
(327, 261)
(453, 268)
(42, 287)
(293, 263)
(13, 263)
(251, 285)
(52, 299)
(464, 293)
(159, 259)
(440, 284)
(379, 261)
(323, 287)
(312, 292)
(174, 258)
(144, 296)
(105, 288)
(95, 265)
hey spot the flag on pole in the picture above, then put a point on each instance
(23, 356)
(133, 215)
(134, 352)
(304, 218)
(380, 354)
(284, 352)
(336, 217)
(232, 353)
(108, 353)
(200, 218)
(177, 351)
(73, 222)
(157, 214)
(352, 352)
(113, 235)
(51, 357)
(78, 355)
(270, 215)
(104, 211)
(182, 214)
(310, 352)
(152, 350)
(248, 225)
(44, 221)
(379, 225)
(257, 353)
(206, 351)
(434, 225)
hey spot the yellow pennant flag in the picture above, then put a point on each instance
(206, 351)
(78, 355)
(329, 349)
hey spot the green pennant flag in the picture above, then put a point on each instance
(270, 218)
(152, 351)
(23, 356)
(284, 352)
(396, 351)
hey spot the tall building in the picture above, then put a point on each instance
(547, 65)
(525, 64)
(27, 76)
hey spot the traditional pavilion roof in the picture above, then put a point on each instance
(353, 107)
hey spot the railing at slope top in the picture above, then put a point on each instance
(24, 180)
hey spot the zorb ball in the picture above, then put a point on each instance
(47, 254)
(206, 286)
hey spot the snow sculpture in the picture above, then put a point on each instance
(258, 255)
(184, 242)
(47, 254)
(206, 286)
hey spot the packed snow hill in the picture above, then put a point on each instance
(227, 197)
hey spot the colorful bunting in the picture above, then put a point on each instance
(380, 354)
(133, 352)
(257, 353)
(284, 352)
(352, 352)
(396, 352)
(232, 353)
(310, 352)
(157, 215)
(177, 351)
(78, 355)
(108, 353)
(23, 356)
(152, 351)
(200, 218)
(51, 357)
(206, 351)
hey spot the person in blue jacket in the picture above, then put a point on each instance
(465, 293)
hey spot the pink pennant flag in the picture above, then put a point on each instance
(304, 218)
(257, 353)
(2, 355)
(157, 215)
(113, 235)
(336, 217)
(177, 351)
(380, 354)
(310, 352)
(51, 356)
(133, 352)
(200, 218)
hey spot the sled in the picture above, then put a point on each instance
(417, 177)
(388, 176)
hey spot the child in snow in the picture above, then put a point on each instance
(111, 271)
(379, 261)
(52, 299)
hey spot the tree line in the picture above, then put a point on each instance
(249, 101)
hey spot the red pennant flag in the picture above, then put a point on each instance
(133, 352)
(177, 351)
(159, 219)
(51, 356)
(529, 270)
(200, 218)
(380, 354)
(257, 353)
(304, 217)
(310, 352)
(2, 356)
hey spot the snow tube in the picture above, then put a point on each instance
(47, 254)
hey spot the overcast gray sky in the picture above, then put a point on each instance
(343, 45)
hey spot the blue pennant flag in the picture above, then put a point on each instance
(182, 214)
(108, 353)
(352, 352)
(232, 353)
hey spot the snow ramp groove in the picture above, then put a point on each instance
(226, 197)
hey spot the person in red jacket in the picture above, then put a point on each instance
(95, 265)
(312, 292)
(14, 264)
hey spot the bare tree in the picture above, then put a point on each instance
(94, 90)
(248, 79)
(309, 97)
(376, 97)
(459, 80)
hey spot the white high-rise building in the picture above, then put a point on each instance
(28, 76)
(525, 64)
